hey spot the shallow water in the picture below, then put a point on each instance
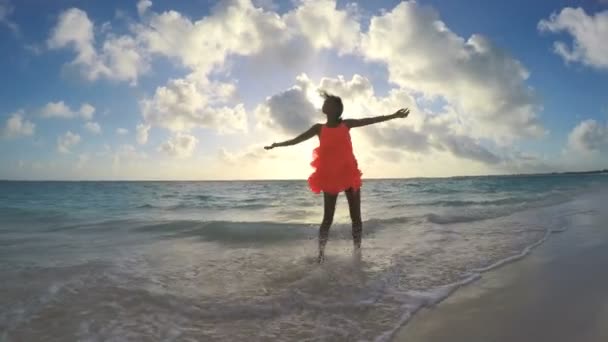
(98, 261)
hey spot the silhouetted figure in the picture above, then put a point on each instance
(336, 165)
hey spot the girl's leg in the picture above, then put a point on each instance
(354, 206)
(329, 208)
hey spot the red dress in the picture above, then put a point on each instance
(334, 161)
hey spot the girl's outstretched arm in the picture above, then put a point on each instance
(311, 132)
(401, 113)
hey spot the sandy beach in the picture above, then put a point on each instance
(559, 293)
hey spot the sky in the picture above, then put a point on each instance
(193, 90)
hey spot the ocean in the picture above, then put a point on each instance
(236, 261)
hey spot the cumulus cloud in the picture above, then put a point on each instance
(358, 87)
(401, 138)
(187, 103)
(268, 5)
(420, 134)
(239, 28)
(325, 26)
(297, 108)
(61, 110)
(484, 88)
(588, 32)
(589, 136)
(67, 141)
(86, 111)
(483, 82)
(468, 148)
(290, 110)
(122, 131)
(142, 6)
(119, 58)
(142, 131)
(181, 145)
(16, 126)
(57, 109)
(93, 127)
(432, 137)
(234, 28)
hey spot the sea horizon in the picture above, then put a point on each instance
(589, 172)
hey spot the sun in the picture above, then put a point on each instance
(312, 95)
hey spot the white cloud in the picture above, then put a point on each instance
(358, 88)
(122, 131)
(142, 6)
(297, 108)
(487, 101)
(484, 83)
(481, 81)
(400, 138)
(67, 141)
(325, 26)
(268, 5)
(61, 110)
(142, 132)
(234, 28)
(203, 46)
(466, 147)
(196, 101)
(187, 103)
(17, 126)
(57, 110)
(290, 110)
(93, 127)
(589, 136)
(6, 9)
(181, 145)
(120, 58)
(86, 111)
(589, 34)
(420, 134)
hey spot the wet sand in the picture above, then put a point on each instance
(559, 293)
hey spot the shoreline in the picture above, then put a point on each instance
(554, 293)
(451, 289)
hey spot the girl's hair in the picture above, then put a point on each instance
(336, 99)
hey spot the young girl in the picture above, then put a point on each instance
(336, 165)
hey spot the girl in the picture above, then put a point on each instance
(335, 164)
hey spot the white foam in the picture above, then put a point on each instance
(417, 300)
(517, 256)
(436, 295)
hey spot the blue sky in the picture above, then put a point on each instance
(194, 89)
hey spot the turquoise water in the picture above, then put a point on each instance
(235, 260)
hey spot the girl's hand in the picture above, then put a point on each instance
(402, 113)
(270, 147)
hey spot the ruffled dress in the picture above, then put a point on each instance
(335, 164)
